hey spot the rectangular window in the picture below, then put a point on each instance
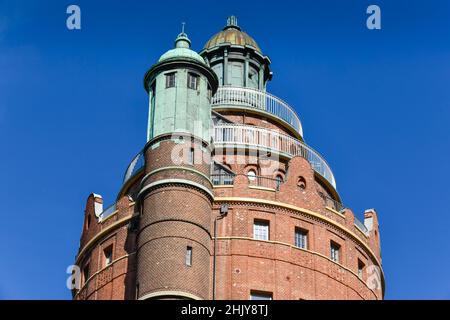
(108, 254)
(85, 273)
(190, 159)
(334, 251)
(189, 256)
(301, 238)
(170, 80)
(192, 81)
(137, 291)
(260, 295)
(261, 230)
(360, 268)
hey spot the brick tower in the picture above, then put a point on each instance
(226, 200)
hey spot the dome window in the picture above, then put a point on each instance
(170, 80)
(192, 81)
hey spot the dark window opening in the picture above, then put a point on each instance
(170, 80)
(192, 81)
(189, 256)
(301, 238)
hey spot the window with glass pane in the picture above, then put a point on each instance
(260, 296)
(192, 81)
(170, 80)
(301, 238)
(108, 252)
(189, 256)
(334, 254)
(190, 156)
(235, 74)
(360, 268)
(279, 181)
(261, 230)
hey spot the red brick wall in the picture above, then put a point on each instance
(174, 216)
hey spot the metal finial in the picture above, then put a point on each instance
(232, 21)
(182, 27)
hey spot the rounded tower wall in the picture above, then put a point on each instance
(181, 104)
(175, 223)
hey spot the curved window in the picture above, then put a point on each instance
(235, 74)
(218, 70)
(253, 78)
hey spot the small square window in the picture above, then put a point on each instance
(170, 80)
(261, 230)
(108, 254)
(192, 81)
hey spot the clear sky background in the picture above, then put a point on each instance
(375, 103)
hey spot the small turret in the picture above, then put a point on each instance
(180, 87)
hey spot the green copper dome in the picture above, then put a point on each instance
(182, 50)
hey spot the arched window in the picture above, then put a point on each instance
(301, 183)
(279, 181)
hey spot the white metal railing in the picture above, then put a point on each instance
(330, 202)
(135, 165)
(107, 212)
(273, 140)
(221, 179)
(251, 98)
(361, 226)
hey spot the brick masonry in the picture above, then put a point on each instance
(150, 237)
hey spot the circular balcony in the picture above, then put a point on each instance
(136, 165)
(255, 100)
(251, 136)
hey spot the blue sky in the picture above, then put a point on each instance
(374, 103)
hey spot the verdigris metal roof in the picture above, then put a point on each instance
(232, 34)
(181, 53)
(182, 50)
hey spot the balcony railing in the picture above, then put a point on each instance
(273, 140)
(361, 226)
(134, 167)
(223, 179)
(107, 212)
(256, 181)
(260, 100)
(331, 203)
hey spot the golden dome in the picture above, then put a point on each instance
(232, 34)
